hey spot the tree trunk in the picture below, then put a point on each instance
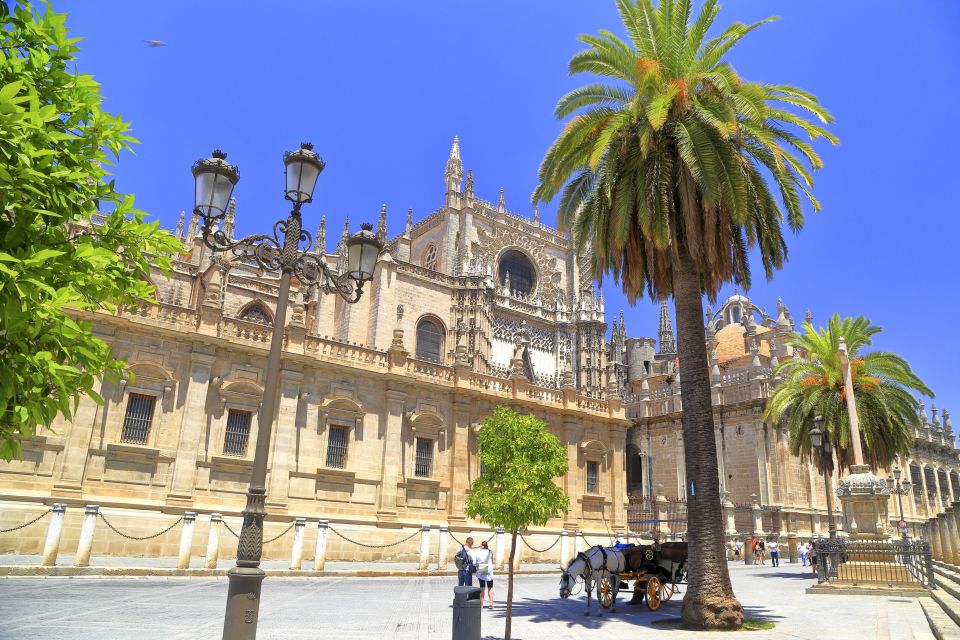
(709, 601)
(513, 552)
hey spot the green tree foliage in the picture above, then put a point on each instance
(68, 240)
(813, 385)
(520, 459)
(667, 169)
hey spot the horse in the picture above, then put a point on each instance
(592, 565)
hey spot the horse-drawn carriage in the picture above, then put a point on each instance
(656, 571)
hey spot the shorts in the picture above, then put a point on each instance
(485, 584)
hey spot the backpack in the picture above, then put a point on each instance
(462, 559)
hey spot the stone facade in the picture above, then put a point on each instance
(471, 307)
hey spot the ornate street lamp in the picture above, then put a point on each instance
(214, 181)
(901, 489)
(820, 443)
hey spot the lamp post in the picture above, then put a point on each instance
(214, 180)
(821, 444)
(901, 489)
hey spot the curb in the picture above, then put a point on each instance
(19, 571)
(896, 592)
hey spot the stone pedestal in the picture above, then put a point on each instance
(864, 498)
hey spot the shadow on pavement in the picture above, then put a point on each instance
(793, 575)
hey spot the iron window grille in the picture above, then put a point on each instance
(337, 448)
(429, 341)
(593, 477)
(423, 462)
(238, 433)
(139, 417)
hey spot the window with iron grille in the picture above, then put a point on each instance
(423, 463)
(337, 447)
(238, 432)
(136, 424)
(429, 340)
(593, 477)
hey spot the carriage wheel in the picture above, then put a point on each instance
(654, 591)
(605, 593)
(667, 591)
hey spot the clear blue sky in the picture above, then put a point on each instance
(381, 88)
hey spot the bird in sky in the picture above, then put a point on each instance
(156, 43)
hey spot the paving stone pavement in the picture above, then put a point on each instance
(419, 608)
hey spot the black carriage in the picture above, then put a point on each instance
(656, 569)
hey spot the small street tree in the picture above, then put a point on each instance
(69, 243)
(520, 459)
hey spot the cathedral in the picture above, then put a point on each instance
(381, 401)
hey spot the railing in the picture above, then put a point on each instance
(330, 349)
(853, 562)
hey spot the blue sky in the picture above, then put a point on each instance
(381, 89)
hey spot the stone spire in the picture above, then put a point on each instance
(668, 345)
(947, 424)
(536, 214)
(454, 172)
(409, 222)
(468, 190)
(500, 205)
(934, 417)
(194, 227)
(179, 231)
(783, 320)
(808, 318)
(922, 413)
(321, 239)
(382, 225)
(342, 246)
(230, 221)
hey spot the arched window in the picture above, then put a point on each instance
(430, 257)
(522, 275)
(429, 340)
(256, 312)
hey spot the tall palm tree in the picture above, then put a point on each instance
(813, 385)
(667, 170)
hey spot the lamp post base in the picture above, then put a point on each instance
(243, 603)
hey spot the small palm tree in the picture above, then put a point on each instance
(668, 170)
(813, 385)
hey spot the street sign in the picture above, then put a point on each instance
(902, 524)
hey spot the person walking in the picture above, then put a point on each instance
(737, 546)
(774, 552)
(484, 557)
(802, 552)
(812, 555)
(466, 563)
(762, 552)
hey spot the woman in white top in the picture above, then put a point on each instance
(484, 560)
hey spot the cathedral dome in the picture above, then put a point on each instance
(731, 344)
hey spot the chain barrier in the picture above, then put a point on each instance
(129, 537)
(461, 543)
(27, 524)
(232, 532)
(275, 538)
(374, 546)
(535, 550)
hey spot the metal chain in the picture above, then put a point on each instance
(128, 537)
(374, 546)
(27, 524)
(275, 538)
(534, 549)
(232, 532)
(459, 542)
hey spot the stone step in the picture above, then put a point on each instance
(949, 603)
(950, 587)
(942, 625)
(946, 575)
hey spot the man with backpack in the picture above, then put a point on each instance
(466, 563)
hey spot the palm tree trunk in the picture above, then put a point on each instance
(709, 601)
(513, 552)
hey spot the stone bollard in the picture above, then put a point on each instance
(578, 542)
(90, 514)
(730, 512)
(442, 548)
(213, 542)
(564, 548)
(498, 541)
(52, 546)
(320, 558)
(792, 544)
(424, 547)
(186, 540)
(517, 553)
(296, 556)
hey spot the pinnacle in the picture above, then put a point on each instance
(455, 149)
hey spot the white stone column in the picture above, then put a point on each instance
(518, 553)
(442, 548)
(213, 542)
(424, 547)
(296, 554)
(52, 545)
(498, 541)
(564, 548)
(951, 535)
(320, 557)
(90, 514)
(186, 540)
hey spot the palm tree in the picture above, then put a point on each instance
(667, 170)
(813, 385)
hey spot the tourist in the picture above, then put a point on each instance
(466, 563)
(802, 552)
(812, 555)
(484, 559)
(774, 553)
(737, 546)
(762, 552)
